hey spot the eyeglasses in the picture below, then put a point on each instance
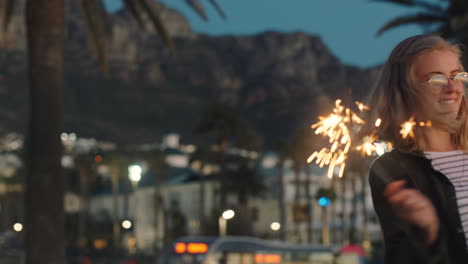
(440, 81)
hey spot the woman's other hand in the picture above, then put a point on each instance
(412, 206)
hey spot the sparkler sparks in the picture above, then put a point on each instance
(407, 128)
(337, 126)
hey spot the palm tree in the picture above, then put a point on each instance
(448, 18)
(158, 166)
(45, 29)
(244, 182)
(117, 168)
(202, 156)
(44, 203)
(284, 150)
(84, 163)
(223, 121)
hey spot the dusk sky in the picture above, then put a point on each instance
(347, 27)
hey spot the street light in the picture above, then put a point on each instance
(18, 227)
(127, 224)
(275, 226)
(222, 221)
(134, 174)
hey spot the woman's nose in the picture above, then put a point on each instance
(453, 86)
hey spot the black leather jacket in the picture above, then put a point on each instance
(403, 242)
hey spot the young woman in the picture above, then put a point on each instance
(420, 189)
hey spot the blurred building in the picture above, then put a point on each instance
(183, 198)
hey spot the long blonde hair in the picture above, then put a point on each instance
(395, 97)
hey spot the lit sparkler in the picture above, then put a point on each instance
(337, 126)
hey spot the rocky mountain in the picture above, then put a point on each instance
(278, 81)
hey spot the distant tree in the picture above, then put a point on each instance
(157, 165)
(223, 121)
(244, 182)
(202, 156)
(118, 172)
(177, 222)
(85, 165)
(447, 18)
(284, 150)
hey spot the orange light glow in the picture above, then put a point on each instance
(98, 158)
(180, 248)
(267, 258)
(197, 248)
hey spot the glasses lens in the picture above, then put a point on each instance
(462, 76)
(438, 80)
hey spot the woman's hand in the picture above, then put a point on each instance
(412, 206)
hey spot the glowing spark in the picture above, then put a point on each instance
(341, 170)
(367, 147)
(378, 122)
(311, 157)
(361, 106)
(336, 126)
(407, 128)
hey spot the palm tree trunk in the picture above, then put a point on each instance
(202, 202)
(281, 201)
(325, 226)
(344, 222)
(85, 175)
(309, 204)
(332, 224)
(44, 181)
(158, 211)
(296, 200)
(115, 203)
(353, 215)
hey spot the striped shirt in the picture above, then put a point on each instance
(454, 165)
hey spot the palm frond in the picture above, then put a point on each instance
(198, 7)
(397, 2)
(431, 7)
(158, 24)
(96, 18)
(218, 8)
(102, 12)
(133, 8)
(7, 12)
(420, 18)
(5, 17)
(444, 31)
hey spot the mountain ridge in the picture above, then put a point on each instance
(278, 81)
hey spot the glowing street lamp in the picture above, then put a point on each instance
(222, 221)
(134, 174)
(18, 227)
(127, 224)
(275, 226)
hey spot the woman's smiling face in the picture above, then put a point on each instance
(438, 99)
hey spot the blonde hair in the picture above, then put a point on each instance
(395, 97)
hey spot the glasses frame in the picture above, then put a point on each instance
(439, 81)
(443, 80)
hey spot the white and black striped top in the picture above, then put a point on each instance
(454, 165)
